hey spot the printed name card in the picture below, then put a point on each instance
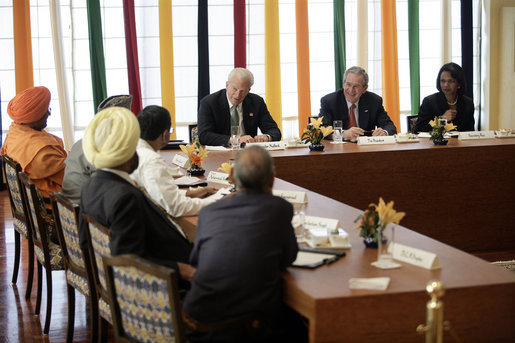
(476, 135)
(181, 161)
(366, 140)
(311, 222)
(417, 257)
(269, 145)
(218, 177)
(292, 196)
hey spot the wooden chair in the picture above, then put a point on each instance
(412, 120)
(21, 221)
(98, 238)
(76, 264)
(48, 253)
(145, 300)
(193, 132)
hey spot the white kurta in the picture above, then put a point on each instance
(157, 178)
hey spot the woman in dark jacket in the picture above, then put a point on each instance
(449, 103)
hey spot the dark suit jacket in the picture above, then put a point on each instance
(214, 119)
(242, 244)
(435, 105)
(137, 226)
(371, 111)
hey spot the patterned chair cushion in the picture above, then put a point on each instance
(78, 282)
(105, 310)
(12, 180)
(56, 256)
(144, 305)
(21, 227)
(71, 235)
(100, 244)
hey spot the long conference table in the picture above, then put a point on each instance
(479, 300)
(462, 194)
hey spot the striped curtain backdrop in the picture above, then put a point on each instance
(383, 67)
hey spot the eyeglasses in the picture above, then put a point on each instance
(49, 111)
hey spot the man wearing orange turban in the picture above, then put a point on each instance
(40, 154)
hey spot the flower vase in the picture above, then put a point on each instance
(440, 142)
(316, 147)
(384, 256)
(370, 242)
(195, 170)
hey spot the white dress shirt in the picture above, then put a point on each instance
(157, 178)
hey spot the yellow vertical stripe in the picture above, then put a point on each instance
(303, 86)
(273, 61)
(166, 58)
(390, 65)
(22, 45)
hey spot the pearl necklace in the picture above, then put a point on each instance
(453, 103)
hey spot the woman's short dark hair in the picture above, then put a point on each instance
(457, 73)
(153, 121)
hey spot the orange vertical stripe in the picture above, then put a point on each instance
(22, 45)
(390, 64)
(303, 86)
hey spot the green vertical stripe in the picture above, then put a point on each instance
(96, 53)
(414, 55)
(339, 42)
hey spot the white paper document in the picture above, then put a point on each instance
(215, 148)
(374, 283)
(188, 181)
(305, 258)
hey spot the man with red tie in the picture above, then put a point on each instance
(358, 109)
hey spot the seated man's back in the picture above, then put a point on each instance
(242, 245)
(136, 224)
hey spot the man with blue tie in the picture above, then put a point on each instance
(235, 106)
(358, 109)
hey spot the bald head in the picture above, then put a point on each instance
(254, 170)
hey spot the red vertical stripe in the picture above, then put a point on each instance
(240, 43)
(131, 47)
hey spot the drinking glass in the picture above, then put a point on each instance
(235, 137)
(442, 121)
(299, 221)
(337, 135)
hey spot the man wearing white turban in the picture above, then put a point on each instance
(136, 224)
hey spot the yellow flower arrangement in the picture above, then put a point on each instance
(376, 218)
(438, 130)
(195, 152)
(315, 132)
(226, 167)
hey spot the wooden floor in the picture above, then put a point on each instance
(17, 320)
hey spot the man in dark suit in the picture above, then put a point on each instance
(369, 113)
(110, 196)
(242, 245)
(235, 106)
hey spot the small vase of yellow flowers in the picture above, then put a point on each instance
(196, 154)
(439, 127)
(376, 225)
(314, 134)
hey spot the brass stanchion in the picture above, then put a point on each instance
(434, 313)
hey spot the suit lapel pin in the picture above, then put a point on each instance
(251, 114)
(366, 110)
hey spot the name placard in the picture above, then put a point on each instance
(181, 161)
(311, 222)
(476, 135)
(269, 145)
(292, 196)
(366, 140)
(218, 177)
(414, 256)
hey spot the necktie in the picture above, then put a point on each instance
(352, 118)
(235, 119)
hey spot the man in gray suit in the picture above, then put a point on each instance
(242, 245)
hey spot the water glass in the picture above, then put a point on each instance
(235, 137)
(299, 222)
(337, 135)
(442, 121)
